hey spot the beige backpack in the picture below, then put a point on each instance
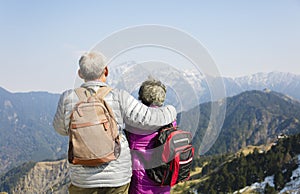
(94, 135)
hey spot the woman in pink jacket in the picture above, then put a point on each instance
(151, 93)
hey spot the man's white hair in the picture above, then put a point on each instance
(92, 65)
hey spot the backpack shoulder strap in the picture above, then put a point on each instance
(103, 91)
(82, 93)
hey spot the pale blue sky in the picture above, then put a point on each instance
(41, 41)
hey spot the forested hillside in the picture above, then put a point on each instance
(231, 172)
(252, 118)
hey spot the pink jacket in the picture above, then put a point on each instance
(141, 149)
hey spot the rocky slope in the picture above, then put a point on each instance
(42, 177)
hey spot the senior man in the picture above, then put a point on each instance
(114, 176)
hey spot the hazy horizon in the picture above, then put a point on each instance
(235, 77)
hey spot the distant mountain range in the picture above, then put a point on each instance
(252, 118)
(26, 128)
(26, 118)
(286, 83)
(194, 85)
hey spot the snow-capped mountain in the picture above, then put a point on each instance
(195, 86)
(184, 88)
(286, 83)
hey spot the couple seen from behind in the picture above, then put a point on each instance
(137, 123)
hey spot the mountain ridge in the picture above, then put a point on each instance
(26, 128)
(50, 177)
(252, 118)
